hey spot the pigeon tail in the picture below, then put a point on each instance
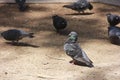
(31, 35)
(90, 65)
(90, 7)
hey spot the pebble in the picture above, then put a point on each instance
(6, 73)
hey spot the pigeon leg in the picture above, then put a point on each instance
(83, 12)
(13, 42)
(78, 12)
(58, 31)
(73, 62)
(17, 42)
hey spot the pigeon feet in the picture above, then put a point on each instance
(73, 62)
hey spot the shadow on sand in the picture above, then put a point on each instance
(87, 13)
(22, 44)
(64, 32)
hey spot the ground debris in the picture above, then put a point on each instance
(45, 77)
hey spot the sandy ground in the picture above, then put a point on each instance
(43, 58)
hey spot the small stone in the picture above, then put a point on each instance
(26, 20)
(116, 73)
(45, 63)
(81, 71)
(6, 73)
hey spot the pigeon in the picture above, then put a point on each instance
(59, 23)
(80, 6)
(114, 34)
(15, 35)
(21, 4)
(113, 19)
(73, 50)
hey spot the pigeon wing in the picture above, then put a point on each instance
(70, 49)
(81, 55)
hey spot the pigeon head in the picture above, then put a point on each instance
(113, 19)
(54, 16)
(113, 16)
(2, 34)
(108, 16)
(73, 36)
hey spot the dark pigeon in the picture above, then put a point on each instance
(73, 50)
(114, 34)
(22, 5)
(113, 19)
(80, 6)
(59, 22)
(15, 35)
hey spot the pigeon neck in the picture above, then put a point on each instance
(70, 41)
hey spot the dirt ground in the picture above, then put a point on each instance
(43, 57)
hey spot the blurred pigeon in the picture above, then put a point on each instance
(22, 5)
(80, 6)
(114, 34)
(113, 19)
(73, 50)
(15, 35)
(59, 22)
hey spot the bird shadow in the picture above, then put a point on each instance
(38, 8)
(87, 13)
(27, 7)
(64, 32)
(117, 44)
(22, 44)
(82, 64)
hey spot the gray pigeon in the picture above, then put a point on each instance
(73, 50)
(114, 34)
(80, 6)
(15, 35)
